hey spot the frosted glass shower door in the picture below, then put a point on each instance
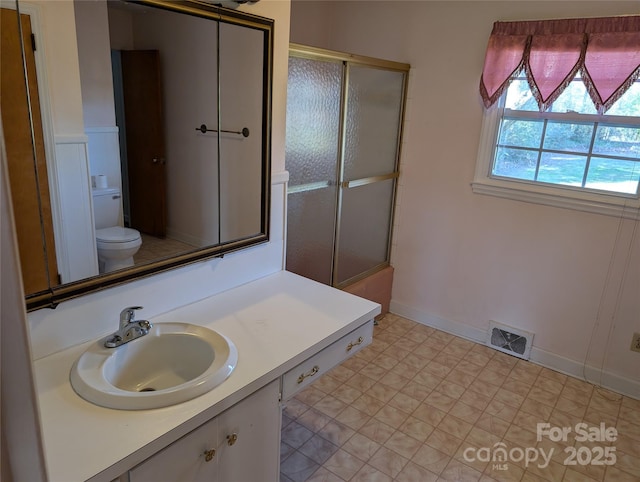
(344, 118)
(373, 120)
(312, 155)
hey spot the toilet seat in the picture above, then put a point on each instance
(116, 238)
(117, 234)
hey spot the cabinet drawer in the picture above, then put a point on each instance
(312, 368)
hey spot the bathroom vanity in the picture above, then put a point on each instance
(288, 331)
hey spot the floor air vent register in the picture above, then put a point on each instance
(510, 340)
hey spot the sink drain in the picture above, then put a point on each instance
(148, 389)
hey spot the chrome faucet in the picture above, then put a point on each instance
(130, 329)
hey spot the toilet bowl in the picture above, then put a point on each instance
(116, 245)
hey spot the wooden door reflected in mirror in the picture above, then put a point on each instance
(144, 124)
(27, 169)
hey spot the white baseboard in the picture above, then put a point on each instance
(574, 368)
(453, 327)
(589, 373)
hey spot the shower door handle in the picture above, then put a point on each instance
(368, 180)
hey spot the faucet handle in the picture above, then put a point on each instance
(128, 314)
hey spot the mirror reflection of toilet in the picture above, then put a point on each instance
(116, 244)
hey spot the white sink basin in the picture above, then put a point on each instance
(173, 363)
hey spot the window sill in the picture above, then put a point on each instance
(619, 207)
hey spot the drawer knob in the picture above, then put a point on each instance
(231, 439)
(310, 373)
(209, 454)
(356, 343)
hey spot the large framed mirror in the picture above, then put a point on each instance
(137, 136)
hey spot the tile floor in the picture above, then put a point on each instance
(153, 249)
(413, 403)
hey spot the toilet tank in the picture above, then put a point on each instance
(106, 207)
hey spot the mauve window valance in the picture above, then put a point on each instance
(606, 52)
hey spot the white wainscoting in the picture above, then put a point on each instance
(73, 209)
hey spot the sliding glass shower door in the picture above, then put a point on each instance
(344, 119)
(312, 154)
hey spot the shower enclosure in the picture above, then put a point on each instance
(344, 126)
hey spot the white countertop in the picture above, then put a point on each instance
(275, 322)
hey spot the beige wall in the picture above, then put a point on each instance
(94, 52)
(462, 259)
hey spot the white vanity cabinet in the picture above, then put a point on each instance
(241, 444)
(288, 331)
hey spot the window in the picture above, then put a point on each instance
(568, 156)
(555, 140)
(569, 145)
